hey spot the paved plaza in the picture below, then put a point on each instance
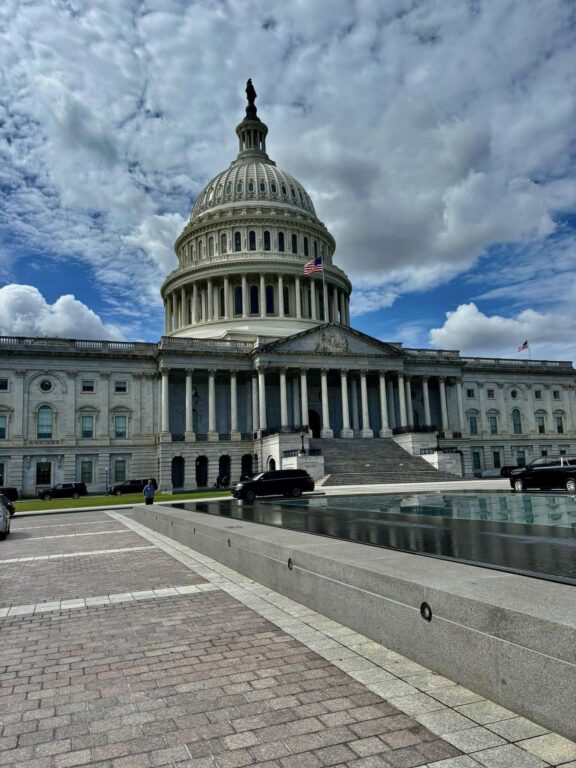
(123, 648)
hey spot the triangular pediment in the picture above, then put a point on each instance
(335, 341)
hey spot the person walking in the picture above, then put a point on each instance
(149, 492)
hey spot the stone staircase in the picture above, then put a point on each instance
(374, 461)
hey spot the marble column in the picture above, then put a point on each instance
(426, 398)
(255, 423)
(262, 398)
(409, 410)
(384, 428)
(342, 308)
(461, 423)
(226, 298)
(234, 432)
(312, 298)
(366, 430)
(298, 297)
(210, 300)
(165, 423)
(184, 306)
(304, 397)
(402, 399)
(189, 435)
(245, 311)
(283, 399)
(167, 328)
(325, 302)
(194, 303)
(443, 404)
(212, 431)
(262, 296)
(393, 420)
(334, 304)
(325, 431)
(346, 431)
(354, 393)
(296, 419)
(280, 296)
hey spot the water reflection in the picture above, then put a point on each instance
(529, 534)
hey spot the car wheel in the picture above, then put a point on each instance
(296, 492)
(4, 534)
(75, 495)
(118, 493)
(46, 497)
(249, 495)
(571, 485)
(518, 485)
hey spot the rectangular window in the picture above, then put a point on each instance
(556, 394)
(121, 386)
(120, 425)
(541, 424)
(473, 424)
(496, 458)
(538, 394)
(87, 472)
(43, 473)
(88, 385)
(476, 461)
(560, 425)
(2, 427)
(3, 385)
(490, 393)
(493, 421)
(119, 472)
(2, 474)
(87, 426)
(469, 393)
(521, 457)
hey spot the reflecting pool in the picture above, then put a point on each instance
(530, 534)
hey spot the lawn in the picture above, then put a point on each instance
(34, 505)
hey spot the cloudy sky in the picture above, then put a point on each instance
(436, 138)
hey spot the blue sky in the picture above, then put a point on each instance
(436, 139)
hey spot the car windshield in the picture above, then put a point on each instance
(259, 476)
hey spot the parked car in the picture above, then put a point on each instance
(507, 468)
(131, 486)
(4, 520)
(545, 473)
(10, 493)
(282, 482)
(8, 504)
(63, 491)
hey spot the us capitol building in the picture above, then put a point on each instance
(260, 368)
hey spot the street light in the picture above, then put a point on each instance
(302, 450)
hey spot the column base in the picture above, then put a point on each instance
(190, 437)
(367, 433)
(165, 437)
(326, 433)
(347, 433)
(235, 436)
(213, 437)
(385, 433)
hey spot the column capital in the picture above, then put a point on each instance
(344, 371)
(189, 371)
(233, 371)
(425, 378)
(382, 374)
(324, 371)
(283, 370)
(212, 371)
(260, 368)
(303, 371)
(163, 371)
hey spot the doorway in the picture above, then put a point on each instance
(201, 471)
(314, 423)
(178, 472)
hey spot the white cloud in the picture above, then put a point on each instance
(425, 132)
(25, 312)
(550, 336)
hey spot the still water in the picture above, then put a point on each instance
(530, 534)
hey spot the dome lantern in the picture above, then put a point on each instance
(251, 131)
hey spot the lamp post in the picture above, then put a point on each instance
(302, 450)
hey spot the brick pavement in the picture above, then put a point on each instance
(202, 679)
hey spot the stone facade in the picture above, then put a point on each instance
(258, 357)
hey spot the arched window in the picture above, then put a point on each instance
(237, 242)
(193, 251)
(294, 244)
(262, 187)
(44, 422)
(286, 300)
(473, 423)
(229, 188)
(200, 249)
(250, 186)
(315, 249)
(238, 300)
(252, 240)
(284, 192)
(223, 243)
(254, 303)
(281, 244)
(239, 188)
(293, 193)
(273, 188)
(305, 246)
(269, 299)
(516, 422)
(221, 303)
(210, 246)
(266, 240)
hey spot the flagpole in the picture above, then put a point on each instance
(324, 294)
(529, 352)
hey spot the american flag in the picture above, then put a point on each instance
(523, 346)
(313, 266)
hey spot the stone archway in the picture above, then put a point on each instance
(314, 422)
(178, 472)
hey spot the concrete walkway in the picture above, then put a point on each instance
(123, 648)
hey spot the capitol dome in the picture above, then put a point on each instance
(241, 257)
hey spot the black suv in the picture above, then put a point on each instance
(10, 493)
(63, 491)
(8, 504)
(546, 473)
(282, 482)
(130, 486)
